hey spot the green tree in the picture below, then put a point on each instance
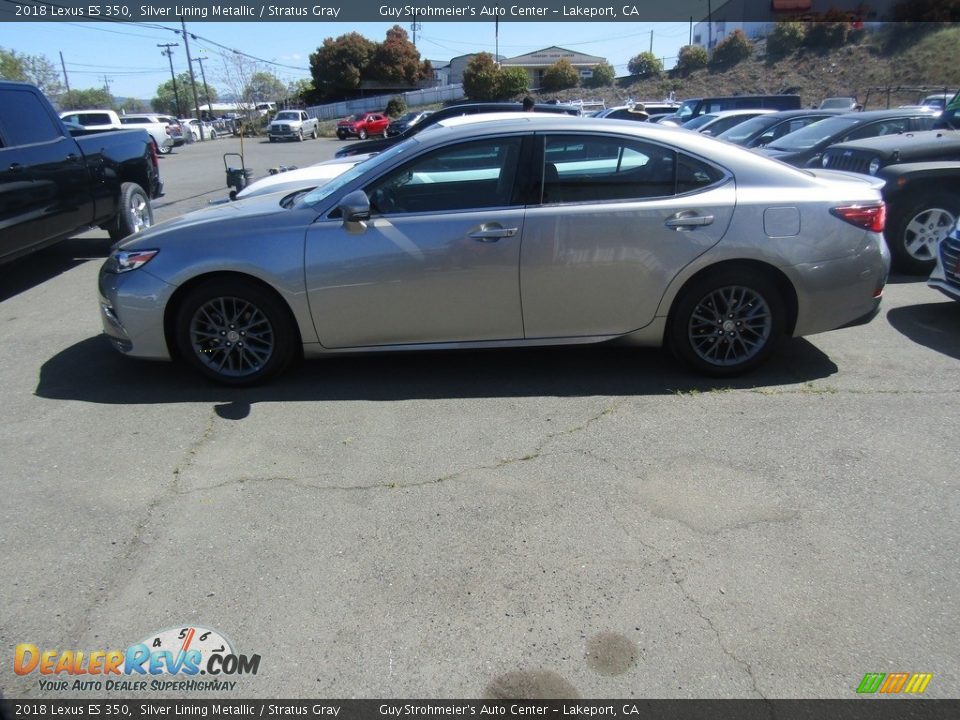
(831, 30)
(645, 65)
(165, 100)
(690, 58)
(338, 65)
(734, 48)
(35, 69)
(560, 76)
(134, 105)
(89, 99)
(481, 78)
(603, 76)
(396, 59)
(265, 87)
(300, 92)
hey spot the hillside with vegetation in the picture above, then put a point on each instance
(898, 60)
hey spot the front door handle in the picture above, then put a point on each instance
(688, 220)
(15, 168)
(492, 234)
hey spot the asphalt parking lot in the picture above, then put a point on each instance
(586, 522)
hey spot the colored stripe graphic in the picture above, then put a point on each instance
(918, 683)
(894, 683)
(870, 683)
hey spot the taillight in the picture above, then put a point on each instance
(869, 217)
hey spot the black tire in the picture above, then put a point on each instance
(272, 139)
(300, 135)
(362, 134)
(164, 149)
(727, 322)
(915, 228)
(134, 212)
(210, 337)
(313, 134)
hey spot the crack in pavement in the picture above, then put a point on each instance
(125, 562)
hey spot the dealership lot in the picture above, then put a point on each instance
(588, 522)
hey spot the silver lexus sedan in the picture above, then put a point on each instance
(533, 230)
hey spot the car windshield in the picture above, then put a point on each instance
(815, 133)
(287, 116)
(699, 121)
(837, 103)
(322, 192)
(409, 117)
(746, 130)
(686, 109)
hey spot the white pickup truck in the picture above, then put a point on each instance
(292, 125)
(100, 120)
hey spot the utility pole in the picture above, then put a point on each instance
(709, 25)
(203, 74)
(193, 80)
(173, 78)
(106, 84)
(690, 41)
(415, 25)
(66, 80)
(651, 42)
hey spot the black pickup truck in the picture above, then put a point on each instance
(53, 185)
(922, 190)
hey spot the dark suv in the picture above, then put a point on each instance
(922, 190)
(372, 146)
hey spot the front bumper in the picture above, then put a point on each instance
(131, 311)
(946, 274)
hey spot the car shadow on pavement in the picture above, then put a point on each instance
(91, 371)
(934, 325)
(35, 269)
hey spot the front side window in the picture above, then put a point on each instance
(477, 174)
(595, 168)
(26, 120)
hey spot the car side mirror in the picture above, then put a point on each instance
(355, 211)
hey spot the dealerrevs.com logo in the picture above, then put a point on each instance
(182, 653)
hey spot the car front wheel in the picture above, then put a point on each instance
(726, 323)
(313, 134)
(235, 332)
(362, 134)
(914, 231)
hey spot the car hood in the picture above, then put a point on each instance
(211, 220)
(305, 177)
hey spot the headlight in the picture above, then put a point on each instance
(122, 261)
(825, 160)
(874, 166)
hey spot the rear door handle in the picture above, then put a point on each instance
(687, 220)
(492, 234)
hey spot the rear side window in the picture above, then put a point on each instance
(876, 129)
(88, 119)
(26, 120)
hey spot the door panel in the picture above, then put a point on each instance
(416, 279)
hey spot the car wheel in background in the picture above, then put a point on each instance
(726, 322)
(164, 149)
(235, 332)
(313, 134)
(134, 212)
(385, 133)
(915, 229)
(300, 135)
(362, 134)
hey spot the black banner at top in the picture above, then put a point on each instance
(714, 11)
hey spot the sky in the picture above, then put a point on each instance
(128, 56)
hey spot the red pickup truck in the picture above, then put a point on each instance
(363, 125)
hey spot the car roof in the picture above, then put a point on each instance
(718, 114)
(894, 112)
(916, 140)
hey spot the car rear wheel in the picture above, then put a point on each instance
(726, 323)
(362, 134)
(313, 134)
(385, 134)
(134, 212)
(165, 149)
(915, 231)
(235, 332)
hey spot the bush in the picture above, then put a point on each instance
(731, 50)
(560, 76)
(786, 38)
(511, 82)
(480, 77)
(645, 65)
(831, 31)
(603, 76)
(691, 57)
(396, 107)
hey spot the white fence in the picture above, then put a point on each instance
(413, 99)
